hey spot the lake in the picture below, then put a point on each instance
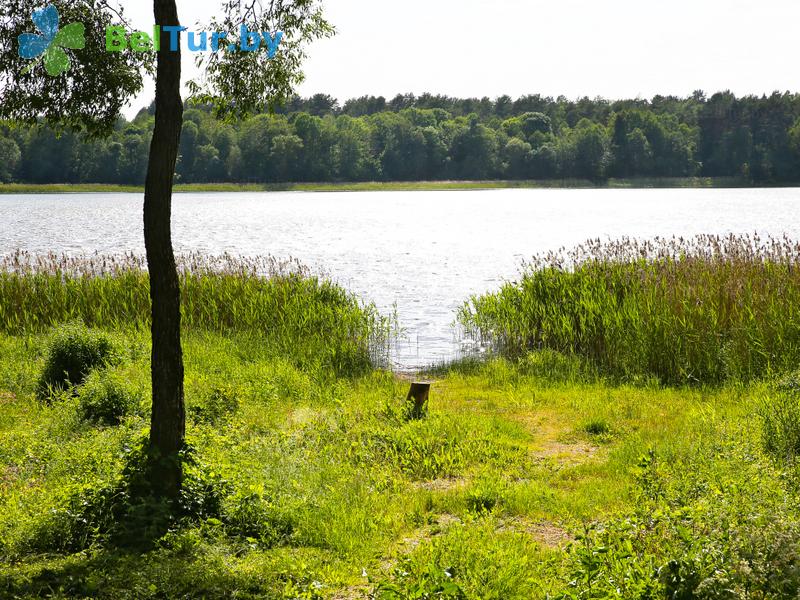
(425, 252)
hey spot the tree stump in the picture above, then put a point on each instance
(418, 399)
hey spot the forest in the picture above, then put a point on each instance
(433, 137)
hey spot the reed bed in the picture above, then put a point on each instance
(707, 309)
(313, 321)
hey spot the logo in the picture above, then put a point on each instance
(119, 40)
(49, 45)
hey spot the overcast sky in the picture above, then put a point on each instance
(615, 49)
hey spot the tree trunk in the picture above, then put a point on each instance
(167, 423)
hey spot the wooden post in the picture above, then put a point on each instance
(418, 394)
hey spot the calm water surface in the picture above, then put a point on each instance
(426, 252)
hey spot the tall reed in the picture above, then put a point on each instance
(298, 315)
(706, 309)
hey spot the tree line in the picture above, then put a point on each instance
(430, 137)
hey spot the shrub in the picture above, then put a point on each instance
(105, 398)
(73, 351)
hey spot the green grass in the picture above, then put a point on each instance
(706, 310)
(378, 186)
(297, 315)
(328, 492)
(532, 477)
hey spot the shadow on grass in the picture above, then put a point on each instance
(117, 573)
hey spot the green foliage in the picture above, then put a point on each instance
(527, 479)
(598, 428)
(473, 560)
(550, 365)
(239, 83)
(431, 582)
(780, 420)
(421, 449)
(646, 143)
(706, 310)
(429, 137)
(585, 151)
(106, 398)
(699, 530)
(9, 159)
(253, 517)
(74, 350)
(314, 322)
(126, 512)
(486, 495)
(91, 94)
(221, 403)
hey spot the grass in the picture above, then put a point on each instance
(535, 476)
(378, 186)
(330, 493)
(313, 321)
(706, 310)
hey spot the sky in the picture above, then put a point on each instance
(475, 48)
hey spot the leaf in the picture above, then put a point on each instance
(56, 61)
(71, 37)
(32, 45)
(46, 20)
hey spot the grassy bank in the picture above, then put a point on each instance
(380, 186)
(705, 310)
(533, 476)
(312, 321)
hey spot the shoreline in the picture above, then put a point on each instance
(399, 186)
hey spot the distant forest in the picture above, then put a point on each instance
(428, 137)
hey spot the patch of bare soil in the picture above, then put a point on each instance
(442, 522)
(444, 484)
(352, 593)
(568, 453)
(553, 442)
(545, 532)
